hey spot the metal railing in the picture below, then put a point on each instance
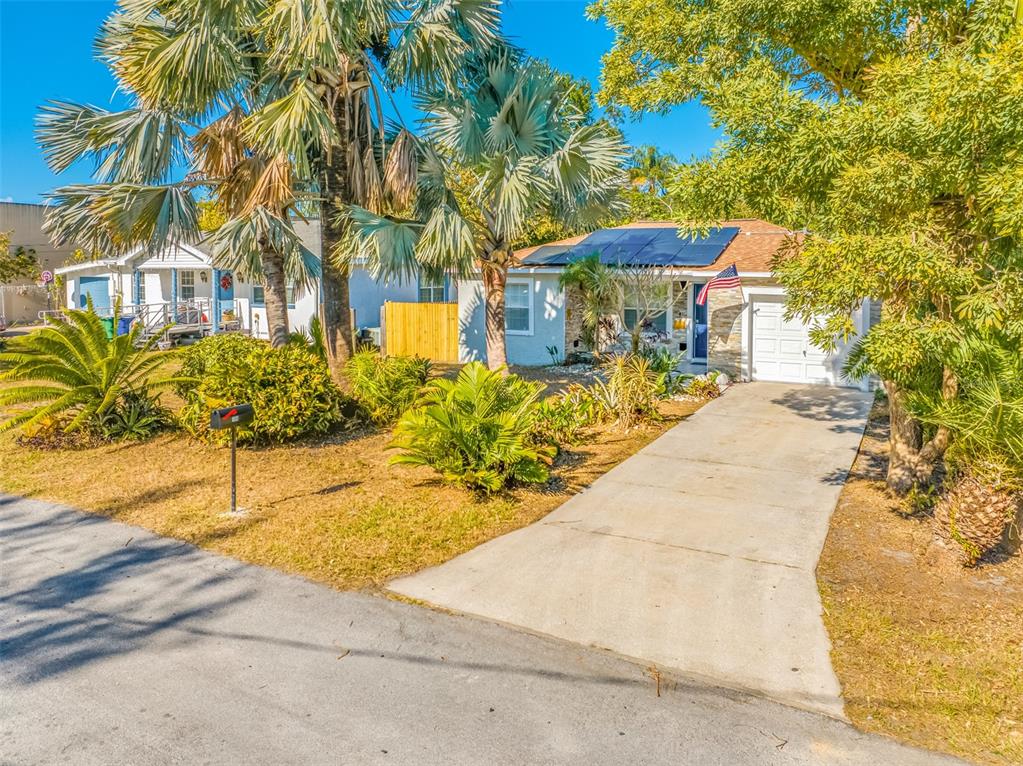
(183, 316)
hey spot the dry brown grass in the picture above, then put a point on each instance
(332, 511)
(926, 651)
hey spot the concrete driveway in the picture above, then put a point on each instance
(120, 647)
(698, 553)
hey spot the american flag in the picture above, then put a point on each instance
(727, 278)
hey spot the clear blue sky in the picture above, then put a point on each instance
(46, 53)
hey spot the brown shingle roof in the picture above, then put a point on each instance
(751, 251)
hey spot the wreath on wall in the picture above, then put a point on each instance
(225, 282)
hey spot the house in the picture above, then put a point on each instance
(740, 331)
(21, 300)
(182, 284)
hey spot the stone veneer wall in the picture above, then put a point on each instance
(724, 321)
(573, 319)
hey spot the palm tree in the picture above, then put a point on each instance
(205, 96)
(73, 373)
(353, 67)
(650, 169)
(505, 149)
(600, 295)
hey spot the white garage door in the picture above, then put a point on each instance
(782, 349)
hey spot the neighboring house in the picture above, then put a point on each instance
(740, 331)
(181, 284)
(22, 300)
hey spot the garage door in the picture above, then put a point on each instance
(782, 349)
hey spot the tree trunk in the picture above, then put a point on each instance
(336, 315)
(495, 277)
(336, 308)
(275, 293)
(911, 461)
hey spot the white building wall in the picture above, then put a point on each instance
(526, 349)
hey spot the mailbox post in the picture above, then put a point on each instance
(232, 417)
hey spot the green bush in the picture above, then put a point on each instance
(386, 387)
(702, 387)
(138, 415)
(629, 393)
(76, 380)
(560, 420)
(664, 362)
(289, 388)
(475, 430)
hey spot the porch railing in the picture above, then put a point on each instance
(184, 316)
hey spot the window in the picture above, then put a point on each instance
(645, 301)
(518, 307)
(432, 290)
(186, 286)
(259, 294)
(142, 289)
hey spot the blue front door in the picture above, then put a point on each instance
(699, 327)
(97, 288)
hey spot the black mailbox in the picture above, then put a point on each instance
(230, 417)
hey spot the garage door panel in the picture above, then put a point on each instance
(790, 346)
(782, 350)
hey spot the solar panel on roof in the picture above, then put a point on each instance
(652, 246)
(602, 237)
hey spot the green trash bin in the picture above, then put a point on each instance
(108, 325)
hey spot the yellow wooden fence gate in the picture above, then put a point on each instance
(429, 330)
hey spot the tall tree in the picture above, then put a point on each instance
(507, 149)
(650, 169)
(890, 132)
(353, 56)
(204, 98)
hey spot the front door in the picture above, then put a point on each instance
(97, 288)
(699, 326)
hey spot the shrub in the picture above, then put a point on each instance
(74, 378)
(137, 416)
(386, 387)
(289, 388)
(702, 386)
(664, 362)
(311, 340)
(629, 394)
(475, 430)
(560, 420)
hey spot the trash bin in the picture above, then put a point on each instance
(108, 325)
(124, 325)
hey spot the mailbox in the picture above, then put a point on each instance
(231, 417)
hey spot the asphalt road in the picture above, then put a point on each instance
(120, 647)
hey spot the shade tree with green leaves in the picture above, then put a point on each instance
(506, 150)
(889, 134)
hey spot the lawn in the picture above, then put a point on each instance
(926, 651)
(331, 510)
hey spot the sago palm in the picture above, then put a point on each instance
(984, 493)
(475, 430)
(70, 373)
(507, 148)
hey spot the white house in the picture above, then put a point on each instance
(182, 285)
(741, 331)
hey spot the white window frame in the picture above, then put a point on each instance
(431, 288)
(290, 292)
(529, 291)
(182, 285)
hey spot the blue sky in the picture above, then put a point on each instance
(46, 53)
